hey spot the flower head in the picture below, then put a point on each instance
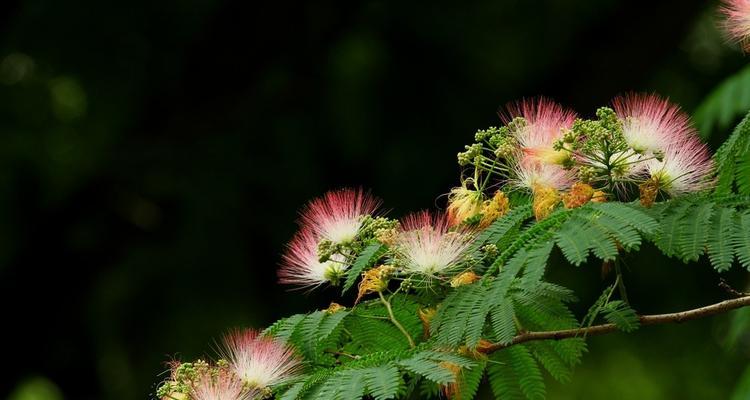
(220, 384)
(301, 264)
(259, 361)
(464, 203)
(544, 123)
(427, 246)
(530, 175)
(337, 215)
(737, 22)
(650, 123)
(685, 168)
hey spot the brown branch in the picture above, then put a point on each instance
(677, 317)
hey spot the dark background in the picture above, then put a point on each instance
(154, 155)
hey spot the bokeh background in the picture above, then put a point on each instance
(154, 155)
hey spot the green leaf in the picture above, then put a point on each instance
(727, 156)
(469, 381)
(284, 328)
(743, 173)
(383, 382)
(671, 227)
(720, 250)
(741, 239)
(462, 316)
(628, 215)
(293, 392)
(366, 259)
(622, 315)
(536, 263)
(546, 354)
(693, 236)
(428, 368)
(575, 239)
(515, 374)
(503, 322)
(728, 101)
(498, 229)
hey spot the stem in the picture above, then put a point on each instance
(678, 317)
(620, 282)
(394, 320)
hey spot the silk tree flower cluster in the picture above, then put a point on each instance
(642, 145)
(544, 155)
(422, 246)
(250, 366)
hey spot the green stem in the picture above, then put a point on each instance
(620, 282)
(394, 320)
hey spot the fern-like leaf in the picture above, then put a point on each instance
(727, 156)
(719, 246)
(692, 238)
(672, 224)
(498, 229)
(743, 173)
(724, 104)
(741, 239)
(384, 382)
(516, 373)
(622, 315)
(545, 353)
(366, 259)
(503, 321)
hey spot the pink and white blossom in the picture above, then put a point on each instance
(301, 265)
(737, 21)
(337, 215)
(686, 167)
(545, 123)
(426, 245)
(221, 385)
(530, 174)
(650, 123)
(259, 361)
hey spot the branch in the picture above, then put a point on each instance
(677, 317)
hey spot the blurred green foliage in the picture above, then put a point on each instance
(36, 388)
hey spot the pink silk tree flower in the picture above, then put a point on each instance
(650, 123)
(686, 167)
(545, 122)
(220, 385)
(301, 265)
(259, 361)
(531, 175)
(737, 21)
(337, 215)
(426, 245)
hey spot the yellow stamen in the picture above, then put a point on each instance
(464, 278)
(599, 197)
(464, 203)
(334, 308)
(578, 195)
(374, 280)
(494, 209)
(545, 200)
(649, 190)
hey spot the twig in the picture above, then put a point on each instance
(341, 353)
(732, 291)
(395, 321)
(677, 317)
